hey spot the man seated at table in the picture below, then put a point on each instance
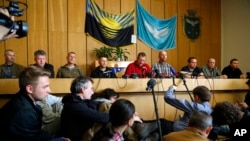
(211, 71)
(191, 70)
(233, 70)
(138, 68)
(162, 68)
(10, 69)
(103, 71)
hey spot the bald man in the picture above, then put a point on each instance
(211, 71)
(162, 68)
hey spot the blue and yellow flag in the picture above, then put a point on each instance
(159, 34)
(112, 30)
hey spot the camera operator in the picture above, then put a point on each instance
(3, 30)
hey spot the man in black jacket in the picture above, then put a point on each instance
(79, 112)
(40, 59)
(21, 117)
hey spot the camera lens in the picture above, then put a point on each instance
(21, 28)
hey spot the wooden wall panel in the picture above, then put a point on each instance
(57, 26)
(76, 35)
(170, 11)
(38, 27)
(183, 47)
(216, 31)
(195, 48)
(205, 44)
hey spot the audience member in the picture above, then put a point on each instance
(211, 71)
(10, 69)
(21, 117)
(246, 103)
(191, 70)
(162, 68)
(106, 98)
(199, 127)
(69, 70)
(121, 113)
(103, 71)
(51, 107)
(233, 70)
(40, 59)
(79, 112)
(138, 68)
(139, 131)
(226, 113)
(4, 32)
(201, 95)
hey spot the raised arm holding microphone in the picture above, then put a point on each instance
(201, 95)
(138, 67)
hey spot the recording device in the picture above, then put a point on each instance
(107, 73)
(20, 26)
(248, 75)
(150, 85)
(134, 75)
(157, 74)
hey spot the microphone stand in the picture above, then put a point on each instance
(184, 83)
(157, 115)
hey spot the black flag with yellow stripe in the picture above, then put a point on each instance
(110, 29)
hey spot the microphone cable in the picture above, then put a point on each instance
(98, 83)
(124, 86)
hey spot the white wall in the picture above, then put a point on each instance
(235, 20)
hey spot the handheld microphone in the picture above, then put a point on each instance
(144, 69)
(150, 85)
(173, 74)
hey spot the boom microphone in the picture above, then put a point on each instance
(150, 85)
(173, 75)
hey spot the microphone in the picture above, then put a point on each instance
(150, 85)
(173, 71)
(144, 69)
(109, 71)
(173, 74)
(157, 74)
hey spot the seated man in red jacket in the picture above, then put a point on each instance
(138, 68)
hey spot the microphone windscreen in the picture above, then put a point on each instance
(173, 70)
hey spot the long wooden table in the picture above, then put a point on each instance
(62, 85)
(135, 90)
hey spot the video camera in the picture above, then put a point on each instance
(20, 26)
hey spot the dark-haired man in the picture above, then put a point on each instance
(233, 70)
(21, 117)
(103, 71)
(226, 113)
(40, 59)
(201, 96)
(79, 112)
(191, 70)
